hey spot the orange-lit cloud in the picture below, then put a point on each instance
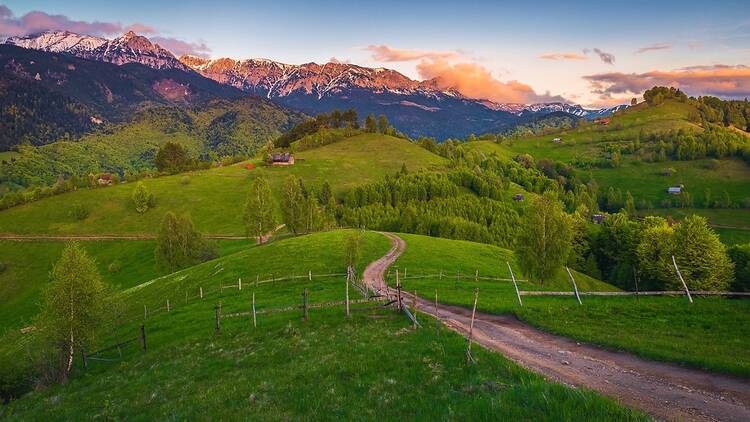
(654, 47)
(717, 80)
(384, 53)
(563, 56)
(475, 81)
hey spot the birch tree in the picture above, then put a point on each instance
(260, 218)
(75, 306)
(544, 241)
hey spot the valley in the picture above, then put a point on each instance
(185, 235)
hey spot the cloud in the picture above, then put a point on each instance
(475, 81)
(654, 47)
(384, 53)
(180, 48)
(336, 60)
(717, 80)
(140, 28)
(563, 56)
(37, 21)
(604, 56)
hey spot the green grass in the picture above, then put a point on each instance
(371, 366)
(587, 141)
(645, 182)
(733, 236)
(215, 198)
(29, 263)
(711, 334)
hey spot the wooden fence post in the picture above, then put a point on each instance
(470, 358)
(255, 321)
(398, 287)
(239, 284)
(167, 305)
(679, 274)
(218, 318)
(347, 297)
(309, 275)
(201, 291)
(441, 274)
(304, 303)
(575, 287)
(635, 277)
(145, 312)
(414, 309)
(404, 272)
(143, 337)
(476, 275)
(513, 277)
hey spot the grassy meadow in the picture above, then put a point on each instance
(711, 333)
(370, 366)
(215, 198)
(28, 264)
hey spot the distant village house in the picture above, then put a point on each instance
(557, 140)
(282, 159)
(674, 190)
(597, 218)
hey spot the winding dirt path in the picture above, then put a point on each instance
(663, 390)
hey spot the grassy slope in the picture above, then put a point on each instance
(643, 180)
(371, 366)
(215, 198)
(29, 264)
(712, 333)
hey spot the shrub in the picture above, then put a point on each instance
(185, 180)
(79, 211)
(740, 255)
(3, 267)
(114, 266)
(142, 198)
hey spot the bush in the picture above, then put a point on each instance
(79, 211)
(3, 267)
(740, 255)
(185, 180)
(114, 267)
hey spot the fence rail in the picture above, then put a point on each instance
(646, 293)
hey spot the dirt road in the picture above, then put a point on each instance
(665, 391)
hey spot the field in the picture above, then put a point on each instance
(28, 265)
(709, 334)
(371, 366)
(215, 198)
(645, 181)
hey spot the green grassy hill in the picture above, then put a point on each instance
(215, 197)
(371, 366)
(707, 334)
(121, 263)
(644, 180)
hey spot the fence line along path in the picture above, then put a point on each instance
(663, 390)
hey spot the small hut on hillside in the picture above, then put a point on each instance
(282, 159)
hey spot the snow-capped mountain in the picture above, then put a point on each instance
(414, 107)
(547, 108)
(129, 48)
(273, 79)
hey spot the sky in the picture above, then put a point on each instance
(592, 53)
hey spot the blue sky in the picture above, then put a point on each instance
(546, 46)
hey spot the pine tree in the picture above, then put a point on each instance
(370, 124)
(544, 240)
(75, 306)
(142, 199)
(260, 217)
(383, 125)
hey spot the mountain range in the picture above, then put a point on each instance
(414, 107)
